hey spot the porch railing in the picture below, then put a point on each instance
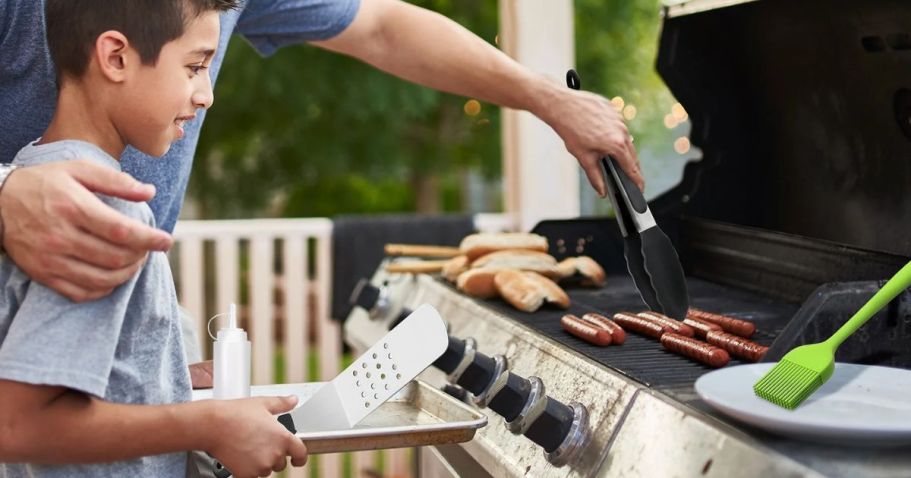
(278, 271)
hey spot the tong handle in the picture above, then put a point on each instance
(630, 190)
(615, 178)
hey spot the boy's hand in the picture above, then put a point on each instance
(63, 236)
(248, 439)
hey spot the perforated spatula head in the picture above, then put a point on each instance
(374, 377)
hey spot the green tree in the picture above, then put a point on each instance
(312, 133)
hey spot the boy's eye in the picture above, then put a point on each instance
(195, 69)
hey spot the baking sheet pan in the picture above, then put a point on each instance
(418, 415)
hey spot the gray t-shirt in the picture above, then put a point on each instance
(29, 91)
(124, 348)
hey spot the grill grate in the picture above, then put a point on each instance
(644, 359)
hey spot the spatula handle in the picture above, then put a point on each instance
(899, 282)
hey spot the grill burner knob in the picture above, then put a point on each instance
(478, 375)
(552, 425)
(371, 298)
(375, 300)
(512, 397)
(562, 430)
(452, 357)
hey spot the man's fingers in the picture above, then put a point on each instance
(277, 405)
(112, 226)
(637, 176)
(75, 292)
(106, 181)
(103, 254)
(297, 451)
(95, 278)
(591, 164)
(628, 163)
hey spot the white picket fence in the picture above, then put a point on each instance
(208, 269)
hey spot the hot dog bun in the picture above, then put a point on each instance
(528, 291)
(477, 245)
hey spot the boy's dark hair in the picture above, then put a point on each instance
(74, 25)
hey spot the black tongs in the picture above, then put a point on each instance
(650, 257)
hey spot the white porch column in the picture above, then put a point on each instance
(541, 179)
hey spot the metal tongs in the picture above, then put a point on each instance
(650, 257)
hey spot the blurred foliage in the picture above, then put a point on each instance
(616, 46)
(312, 133)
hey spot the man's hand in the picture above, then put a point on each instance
(63, 236)
(201, 374)
(591, 129)
(248, 440)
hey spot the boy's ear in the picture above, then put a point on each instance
(112, 54)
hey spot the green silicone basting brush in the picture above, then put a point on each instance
(804, 369)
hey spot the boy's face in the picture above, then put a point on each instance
(159, 99)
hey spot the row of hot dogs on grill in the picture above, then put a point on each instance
(705, 337)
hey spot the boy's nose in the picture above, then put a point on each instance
(203, 96)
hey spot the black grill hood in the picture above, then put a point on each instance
(802, 110)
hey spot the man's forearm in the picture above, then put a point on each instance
(75, 428)
(429, 49)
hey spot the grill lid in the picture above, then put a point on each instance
(803, 114)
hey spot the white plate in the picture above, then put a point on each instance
(860, 405)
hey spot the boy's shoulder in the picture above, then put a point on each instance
(34, 154)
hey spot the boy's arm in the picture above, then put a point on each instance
(53, 425)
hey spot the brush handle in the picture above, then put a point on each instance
(899, 282)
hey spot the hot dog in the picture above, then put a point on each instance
(639, 325)
(618, 336)
(701, 327)
(585, 330)
(695, 349)
(736, 345)
(675, 326)
(743, 328)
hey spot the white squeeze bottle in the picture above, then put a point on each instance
(232, 360)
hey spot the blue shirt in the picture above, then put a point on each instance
(28, 91)
(124, 348)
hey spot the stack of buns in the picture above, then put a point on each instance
(517, 268)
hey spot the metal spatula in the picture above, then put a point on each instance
(399, 357)
(650, 257)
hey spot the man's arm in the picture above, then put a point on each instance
(427, 48)
(54, 425)
(63, 236)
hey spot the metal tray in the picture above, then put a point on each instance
(418, 415)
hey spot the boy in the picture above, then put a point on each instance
(101, 388)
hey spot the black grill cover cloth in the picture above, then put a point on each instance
(357, 245)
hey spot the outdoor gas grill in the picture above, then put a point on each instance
(799, 207)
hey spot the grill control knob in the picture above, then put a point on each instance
(452, 357)
(512, 397)
(562, 430)
(478, 375)
(373, 299)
